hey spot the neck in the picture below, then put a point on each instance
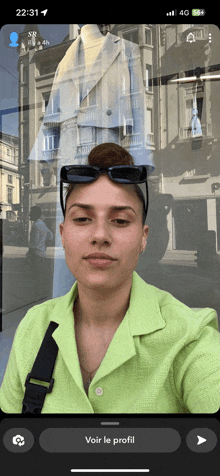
(90, 33)
(102, 309)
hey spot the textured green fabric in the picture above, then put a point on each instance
(163, 358)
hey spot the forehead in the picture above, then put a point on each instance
(105, 192)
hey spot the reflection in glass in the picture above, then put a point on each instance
(181, 136)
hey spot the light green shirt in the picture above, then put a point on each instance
(163, 358)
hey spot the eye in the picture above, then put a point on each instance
(122, 222)
(119, 220)
(81, 219)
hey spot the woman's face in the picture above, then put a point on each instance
(99, 228)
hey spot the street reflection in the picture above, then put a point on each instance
(181, 136)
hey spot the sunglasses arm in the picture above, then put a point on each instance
(61, 197)
(147, 200)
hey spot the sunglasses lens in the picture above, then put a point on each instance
(83, 174)
(128, 174)
(80, 174)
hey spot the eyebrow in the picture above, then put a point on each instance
(91, 207)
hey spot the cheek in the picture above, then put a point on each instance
(70, 239)
(131, 243)
(125, 241)
(73, 240)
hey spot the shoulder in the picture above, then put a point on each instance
(127, 46)
(183, 317)
(41, 224)
(177, 318)
(66, 63)
(31, 331)
(37, 224)
(131, 49)
(34, 324)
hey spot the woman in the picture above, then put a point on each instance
(123, 346)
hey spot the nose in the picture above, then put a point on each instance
(100, 233)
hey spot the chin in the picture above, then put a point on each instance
(99, 278)
(93, 276)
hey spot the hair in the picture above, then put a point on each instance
(108, 155)
(36, 212)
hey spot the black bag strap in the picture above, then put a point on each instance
(42, 370)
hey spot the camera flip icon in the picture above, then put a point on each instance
(18, 440)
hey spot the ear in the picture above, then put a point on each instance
(145, 235)
(146, 230)
(61, 232)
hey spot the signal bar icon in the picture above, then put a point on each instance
(172, 13)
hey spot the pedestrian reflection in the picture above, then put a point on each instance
(40, 236)
(159, 207)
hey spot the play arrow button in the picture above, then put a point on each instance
(201, 440)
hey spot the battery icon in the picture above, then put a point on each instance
(198, 12)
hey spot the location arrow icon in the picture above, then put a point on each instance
(201, 440)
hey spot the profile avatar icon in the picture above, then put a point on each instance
(14, 39)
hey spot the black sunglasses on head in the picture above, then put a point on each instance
(124, 174)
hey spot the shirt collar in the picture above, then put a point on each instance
(143, 314)
(144, 310)
(142, 317)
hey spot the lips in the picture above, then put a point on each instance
(100, 263)
(99, 256)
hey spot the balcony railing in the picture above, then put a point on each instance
(150, 138)
(131, 139)
(186, 132)
(84, 150)
(50, 154)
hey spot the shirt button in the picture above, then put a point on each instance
(99, 391)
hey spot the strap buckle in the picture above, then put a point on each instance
(47, 389)
(30, 407)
